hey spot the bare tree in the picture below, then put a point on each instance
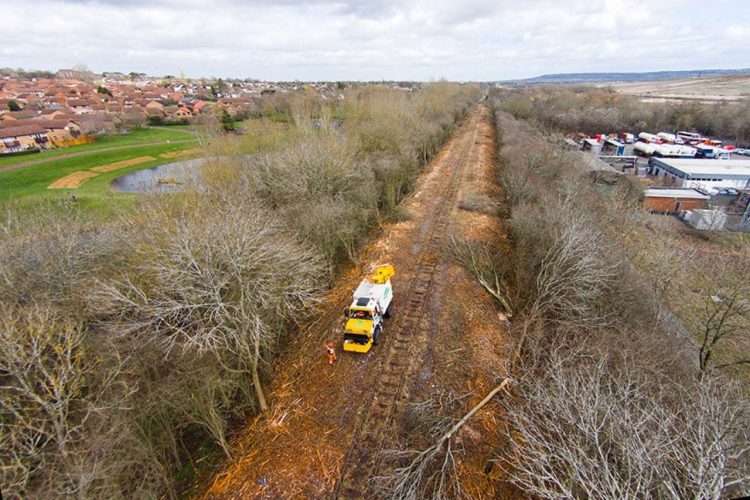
(217, 284)
(723, 321)
(660, 263)
(560, 271)
(591, 430)
(590, 419)
(49, 256)
(53, 392)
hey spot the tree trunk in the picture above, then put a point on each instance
(478, 407)
(256, 381)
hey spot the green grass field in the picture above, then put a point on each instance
(28, 185)
(137, 136)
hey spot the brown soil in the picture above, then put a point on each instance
(180, 154)
(707, 89)
(72, 181)
(298, 448)
(119, 165)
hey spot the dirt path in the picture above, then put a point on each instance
(328, 424)
(84, 153)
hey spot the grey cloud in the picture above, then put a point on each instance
(347, 39)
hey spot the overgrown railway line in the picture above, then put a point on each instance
(363, 459)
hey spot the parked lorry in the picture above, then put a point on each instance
(666, 136)
(674, 151)
(689, 137)
(371, 303)
(646, 137)
(644, 148)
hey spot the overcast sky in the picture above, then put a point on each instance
(377, 39)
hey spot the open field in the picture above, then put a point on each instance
(717, 88)
(136, 137)
(33, 181)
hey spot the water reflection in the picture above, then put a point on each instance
(167, 178)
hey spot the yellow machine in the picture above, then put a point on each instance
(371, 303)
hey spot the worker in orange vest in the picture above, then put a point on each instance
(331, 352)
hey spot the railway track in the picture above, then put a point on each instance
(362, 460)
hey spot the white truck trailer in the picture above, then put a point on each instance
(646, 137)
(666, 136)
(644, 148)
(674, 151)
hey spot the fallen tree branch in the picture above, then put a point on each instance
(478, 260)
(495, 292)
(478, 407)
(418, 478)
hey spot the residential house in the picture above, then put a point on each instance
(99, 123)
(56, 114)
(74, 74)
(60, 131)
(13, 139)
(79, 106)
(20, 115)
(154, 108)
(198, 106)
(183, 112)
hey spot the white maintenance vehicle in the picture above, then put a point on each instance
(370, 305)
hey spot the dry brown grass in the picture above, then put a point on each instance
(72, 181)
(180, 154)
(118, 165)
(717, 88)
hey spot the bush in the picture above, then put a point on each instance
(155, 120)
(59, 430)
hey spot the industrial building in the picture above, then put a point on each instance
(707, 175)
(673, 200)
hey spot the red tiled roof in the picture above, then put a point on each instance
(50, 124)
(77, 102)
(21, 131)
(18, 115)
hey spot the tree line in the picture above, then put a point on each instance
(593, 110)
(611, 394)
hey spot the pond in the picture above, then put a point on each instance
(167, 178)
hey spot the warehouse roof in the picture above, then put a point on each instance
(708, 167)
(656, 192)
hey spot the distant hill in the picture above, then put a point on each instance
(628, 77)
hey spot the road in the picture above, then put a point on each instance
(328, 425)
